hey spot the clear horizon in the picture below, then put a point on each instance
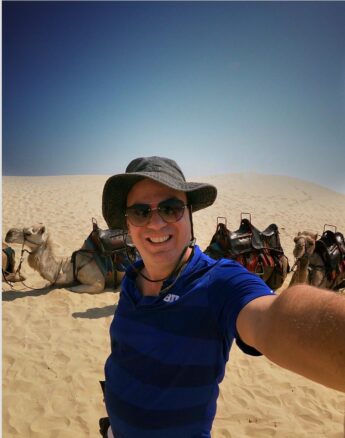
(221, 87)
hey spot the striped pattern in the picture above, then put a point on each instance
(168, 356)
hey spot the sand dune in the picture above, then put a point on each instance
(55, 342)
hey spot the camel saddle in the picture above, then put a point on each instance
(106, 241)
(111, 246)
(246, 239)
(110, 250)
(331, 248)
(251, 247)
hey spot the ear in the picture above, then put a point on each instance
(295, 239)
(42, 229)
(315, 237)
(299, 233)
(127, 226)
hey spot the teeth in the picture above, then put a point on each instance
(159, 239)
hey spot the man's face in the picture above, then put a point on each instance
(158, 242)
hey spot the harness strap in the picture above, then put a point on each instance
(74, 261)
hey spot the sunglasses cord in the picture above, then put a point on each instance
(177, 267)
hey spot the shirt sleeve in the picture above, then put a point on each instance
(232, 287)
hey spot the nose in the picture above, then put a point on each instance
(8, 236)
(156, 222)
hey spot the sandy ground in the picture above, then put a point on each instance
(55, 342)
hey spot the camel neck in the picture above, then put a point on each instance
(44, 261)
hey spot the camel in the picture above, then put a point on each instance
(304, 248)
(311, 267)
(8, 263)
(58, 271)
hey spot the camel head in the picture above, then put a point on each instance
(304, 244)
(33, 237)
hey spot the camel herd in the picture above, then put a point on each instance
(309, 267)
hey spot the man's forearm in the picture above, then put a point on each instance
(304, 331)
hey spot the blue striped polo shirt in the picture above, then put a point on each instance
(168, 353)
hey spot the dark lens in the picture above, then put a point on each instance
(171, 210)
(138, 214)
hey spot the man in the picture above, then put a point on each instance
(179, 312)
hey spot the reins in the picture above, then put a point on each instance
(297, 261)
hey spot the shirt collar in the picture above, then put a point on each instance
(131, 276)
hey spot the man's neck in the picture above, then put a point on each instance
(154, 273)
(148, 288)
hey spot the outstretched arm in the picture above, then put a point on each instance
(302, 329)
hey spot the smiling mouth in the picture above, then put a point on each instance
(159, 239)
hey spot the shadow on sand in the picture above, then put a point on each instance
(13, 294)
(96, 312)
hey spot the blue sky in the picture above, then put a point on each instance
(219, 86)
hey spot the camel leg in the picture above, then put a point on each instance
(14, 277)
(300, 275)
(88, 288)
(89, 276)
(318, 279)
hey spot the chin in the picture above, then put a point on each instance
(163, 256)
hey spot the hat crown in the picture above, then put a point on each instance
(156, 164)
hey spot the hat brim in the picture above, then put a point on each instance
(116, 188)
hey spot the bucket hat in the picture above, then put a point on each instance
(160, 169)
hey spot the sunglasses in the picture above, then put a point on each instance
(170, 211)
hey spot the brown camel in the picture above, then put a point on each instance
(57, 270)
(8, 265)
(310, 266)
(304, 248)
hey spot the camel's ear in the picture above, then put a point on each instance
(295, 239)
(315, 238)
(42, 229)
(299, 233)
